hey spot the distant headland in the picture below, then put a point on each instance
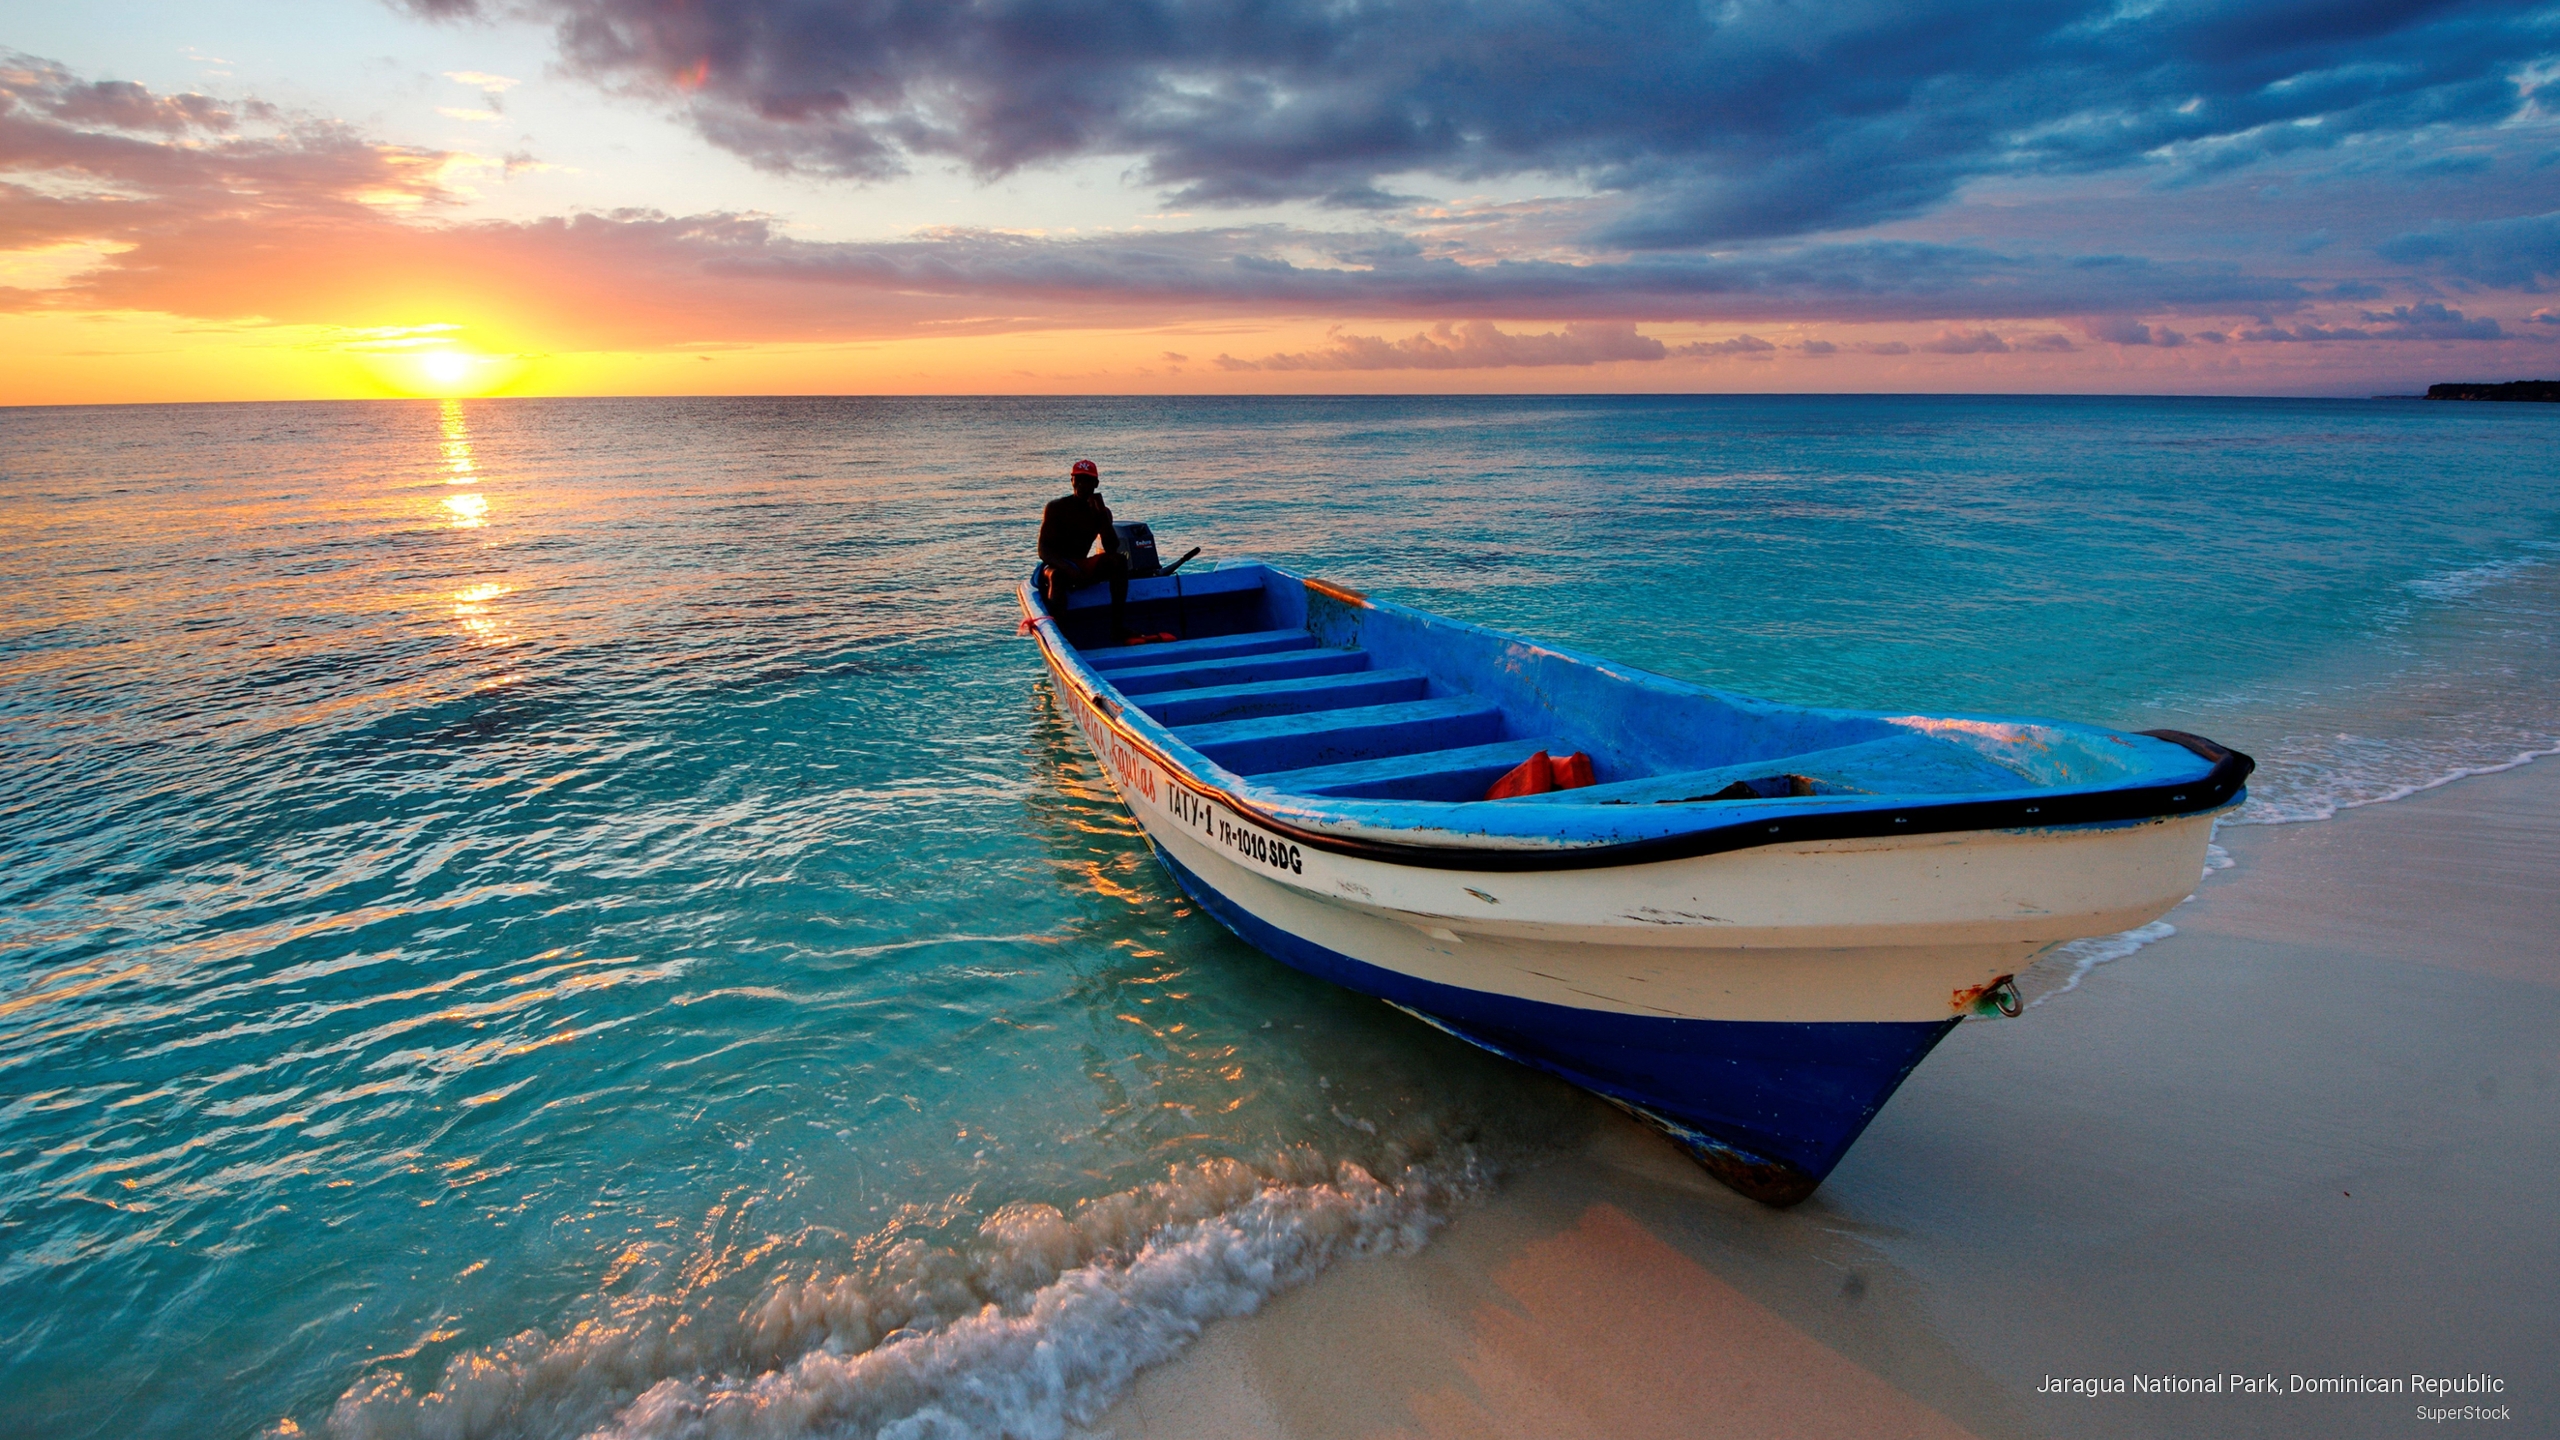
(2511, 390)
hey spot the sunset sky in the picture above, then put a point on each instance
(313, 198)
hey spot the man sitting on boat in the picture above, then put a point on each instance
(1068, 528)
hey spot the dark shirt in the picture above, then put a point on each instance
(1069, 527)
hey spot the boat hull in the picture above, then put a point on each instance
(1759, 1006)
(1768, 1106)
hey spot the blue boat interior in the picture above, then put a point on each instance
(1298, 688)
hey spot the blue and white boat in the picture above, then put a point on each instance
(1747, 930)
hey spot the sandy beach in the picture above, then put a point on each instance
(2313, 1134)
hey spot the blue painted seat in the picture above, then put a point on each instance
(1398, 709)
(1455, 775)
(1136, 680)
(1333, 737)
(1284, 697)
(1115, 658)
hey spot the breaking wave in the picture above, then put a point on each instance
(2330, 773)
(2060, 970)
(1034, 1327)
(2468, 689)
(2471, 579)
(2483, 705)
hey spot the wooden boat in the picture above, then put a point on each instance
(1747, 930)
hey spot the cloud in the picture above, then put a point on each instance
(1748, 119)
(1373, 272)
(1963, 342)
(2430, 320)
(1468, 345)
(481, 80)
(253, 214)
(1738, 345)
(233, 212)
(108, 104)
(2119, 330)
(2427, 321)
(112, 162)
(2513, 254)
(2300, 335)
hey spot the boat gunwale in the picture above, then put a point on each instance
(2219, 788)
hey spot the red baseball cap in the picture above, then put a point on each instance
(1085, 467)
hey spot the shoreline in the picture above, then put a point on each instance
(2311, 1133)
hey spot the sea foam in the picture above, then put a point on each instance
(1035, 1328)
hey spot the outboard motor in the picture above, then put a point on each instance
(1139, 544)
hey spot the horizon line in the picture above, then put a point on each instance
(1279, 395)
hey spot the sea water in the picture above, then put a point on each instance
(564, 917)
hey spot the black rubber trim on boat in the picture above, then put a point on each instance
(2217, 788)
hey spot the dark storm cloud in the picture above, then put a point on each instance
(1737, 120)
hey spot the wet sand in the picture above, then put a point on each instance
(2315, 1133)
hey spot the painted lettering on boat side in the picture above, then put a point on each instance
(1194, 813)
(1118, 758)
(1190, 811)
(1186, 808)
(1254, 845)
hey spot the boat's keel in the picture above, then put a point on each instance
(1774, 1183)
(1769, 1114)
(1767, 1107)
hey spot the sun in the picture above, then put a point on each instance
(448, 373)
(447, 368)
(432, 361)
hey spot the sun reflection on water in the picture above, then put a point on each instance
(470, 511)
(472, 608)
(457, 444)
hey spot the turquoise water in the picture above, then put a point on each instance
(540, 918)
